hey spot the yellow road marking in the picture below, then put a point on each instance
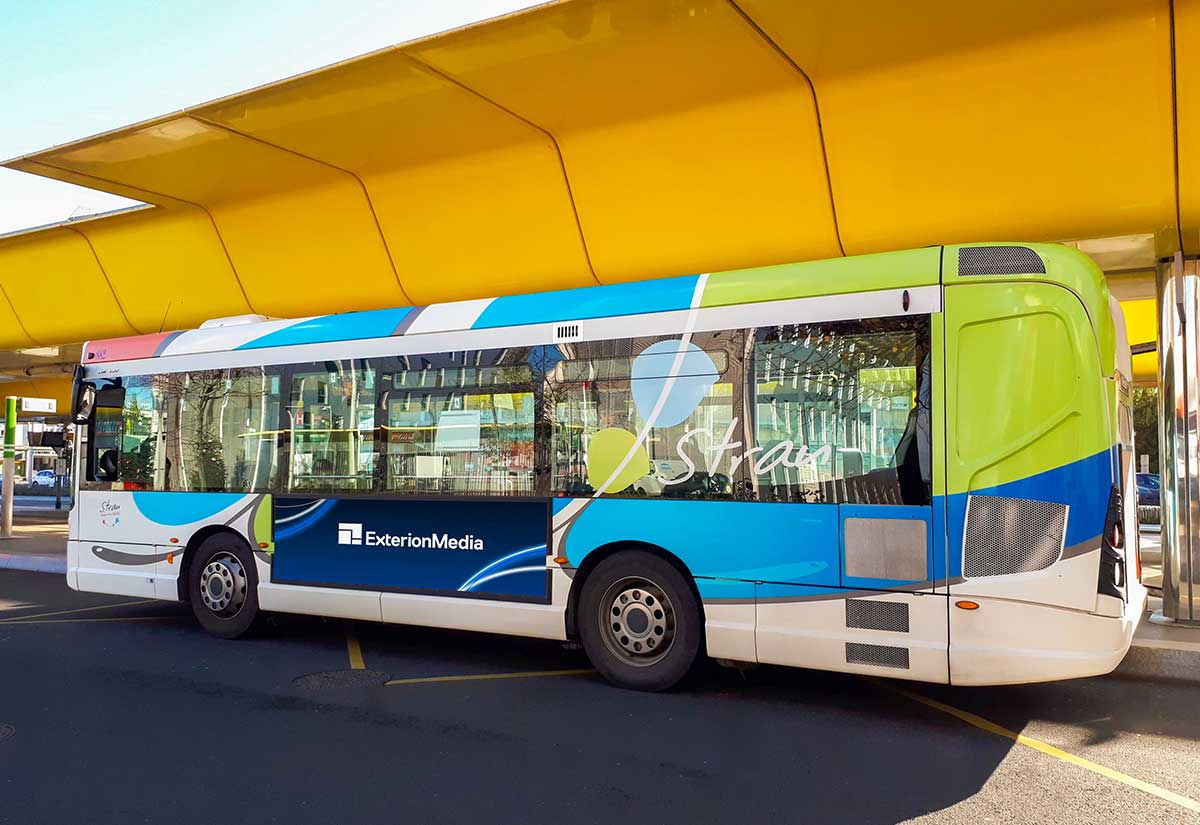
(354, 649)
(527, 674)
(76, 610)
(1050, 750)
(92, 621)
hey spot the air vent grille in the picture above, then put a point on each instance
(880, 655)
(572, 331)
(1012, 535)
(999, 260)
(869, 614)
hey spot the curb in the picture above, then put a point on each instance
(33, 564)
(1161, 662)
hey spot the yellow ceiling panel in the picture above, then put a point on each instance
(12, 333)
(190, 160)
(1141, 320)
(491, 223)
(374, 113)
(471, 199)
(155, 260)
(1145, 368)
(58, 290)
(965, 122)
(309, 251)
(37, 167)
(1141, 327)
(689, 142)
(57, 388)
(1187, 101)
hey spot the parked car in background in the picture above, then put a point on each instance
(45, 478)
(1148, 489)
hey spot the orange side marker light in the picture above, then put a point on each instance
(264, 544)
(170, 558)
(560, 559)
(174, 540)
(966, 605)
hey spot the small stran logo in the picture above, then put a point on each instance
(110, 513)
(350, 533)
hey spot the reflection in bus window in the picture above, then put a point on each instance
(842, 412)
(140, 427)
(608, 392)
(462, 423)
(226, 430)
(331, 417)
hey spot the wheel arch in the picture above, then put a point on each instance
(593, 559)
(189, 552)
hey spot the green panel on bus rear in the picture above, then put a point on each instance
(862, 273)
(1063, 265)
(1028, 420)
(1026, 392)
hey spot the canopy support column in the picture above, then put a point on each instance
(1178, 283)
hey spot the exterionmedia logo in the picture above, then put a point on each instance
(353, 533)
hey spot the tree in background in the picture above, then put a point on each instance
(1145, 426)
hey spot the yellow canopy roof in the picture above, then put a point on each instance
(596, 141)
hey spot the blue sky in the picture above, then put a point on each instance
(72, 68)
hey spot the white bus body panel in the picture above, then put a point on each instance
(1009, 642)
(812, 633)
(1069, 583)
(541, 621)
(95, 574)
(320, 601)
(145, 562)
(729, 631)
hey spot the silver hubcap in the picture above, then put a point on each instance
(223, 585)
(638, 621)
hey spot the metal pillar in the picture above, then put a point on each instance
(10, 466)
(1178, 282)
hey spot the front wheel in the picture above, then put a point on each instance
(223, 586)
(640, 622)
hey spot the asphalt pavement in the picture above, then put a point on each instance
(114, 710)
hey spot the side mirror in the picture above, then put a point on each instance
(84, 403)
(83, 398)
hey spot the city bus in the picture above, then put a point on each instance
(913, 464)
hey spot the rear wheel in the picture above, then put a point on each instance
(639, 621)
(223, 586)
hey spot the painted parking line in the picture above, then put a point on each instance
(353, 648)
(76, 610)
(1050, 750)
(481, 677)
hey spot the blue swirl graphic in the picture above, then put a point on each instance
(300, 525)
(518, 562)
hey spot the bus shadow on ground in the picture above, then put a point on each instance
(780, 743)
(767, 745)
(1101, 709)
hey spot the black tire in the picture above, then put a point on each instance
(225, 565)
(640, 642)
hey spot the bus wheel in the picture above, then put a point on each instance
(223, 586)
(639, 621)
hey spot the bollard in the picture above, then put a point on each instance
(10, 465)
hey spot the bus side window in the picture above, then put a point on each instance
(841, 412)
(105, 434)
(602, 398)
